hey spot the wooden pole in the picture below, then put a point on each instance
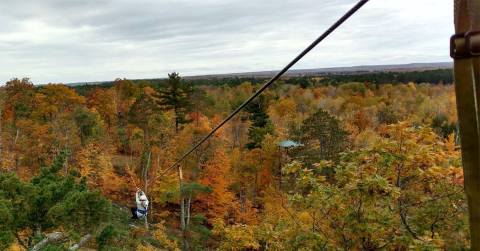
(467, 89)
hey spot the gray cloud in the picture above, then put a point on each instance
(86, 40)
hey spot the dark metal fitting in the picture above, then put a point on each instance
(458, 46)
(465, 45)
(473, 43)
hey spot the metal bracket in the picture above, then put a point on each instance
(473, 43)
(465, 45)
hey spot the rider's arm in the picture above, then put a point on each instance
(145, 204)
(137, 199)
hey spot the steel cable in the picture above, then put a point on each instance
(332, 28)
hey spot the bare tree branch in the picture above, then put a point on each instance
(82, 242)
(51, 237)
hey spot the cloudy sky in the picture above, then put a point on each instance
(86, 40)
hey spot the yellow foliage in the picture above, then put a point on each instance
(16, 247)
(95, 162)
(161, 240)
(146, 247)
(234, 237)
(160, 235)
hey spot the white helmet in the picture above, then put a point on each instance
(143, 197)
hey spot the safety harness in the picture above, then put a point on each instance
(465, 50)
(144, 212)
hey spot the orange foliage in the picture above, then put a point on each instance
(95, 163)
(215, 172)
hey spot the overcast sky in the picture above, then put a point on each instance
(82, 40)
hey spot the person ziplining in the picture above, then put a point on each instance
(141, 200)
(464, 49)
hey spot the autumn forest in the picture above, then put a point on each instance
(312, 164)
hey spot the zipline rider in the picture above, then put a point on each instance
(141, 209)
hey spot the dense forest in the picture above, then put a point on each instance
(333, 163)
(429, 76)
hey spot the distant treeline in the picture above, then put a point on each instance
(430, 76)
(224, 81)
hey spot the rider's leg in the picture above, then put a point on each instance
(134, 212)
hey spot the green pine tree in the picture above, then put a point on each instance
(261, 124)
(176, 96)
(322, 138)
(48, 202)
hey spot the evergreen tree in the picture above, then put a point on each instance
(176, 96)
(322, 138)
(48, 202)
(261, 124)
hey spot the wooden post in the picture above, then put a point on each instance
(467, 89)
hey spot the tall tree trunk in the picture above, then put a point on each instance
(145, 176)
(183, 223)
(189, 203)
(145, 171)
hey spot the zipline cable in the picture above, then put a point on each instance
(332, 28)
